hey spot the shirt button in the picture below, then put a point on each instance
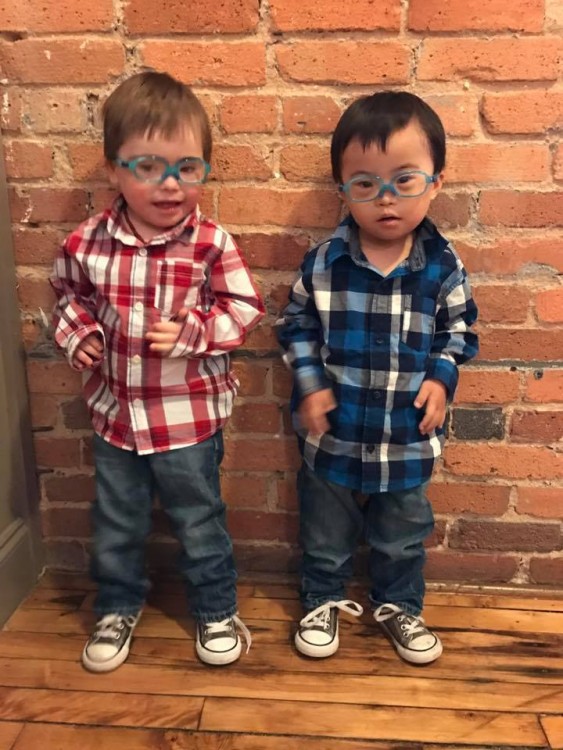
(376, 395)
(138, 306)
(143, 252)
(378, 341)
(370, 448)
(137, 403)
(136, 359)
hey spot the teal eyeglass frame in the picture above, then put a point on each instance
(387, 186)
(170, 170)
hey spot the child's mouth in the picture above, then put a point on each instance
(167, 205)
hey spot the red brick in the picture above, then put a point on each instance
(40, 16)
(544, 502)
(545, 386)
(277, 298)
(209, 63)
(522, 208)
(386, 62)
(53, 376)
(283, 381)
(287, 493)
(472, 15)
(549, 305)
(363, 15)
(500, 59)
(256, 418)
(502, 304)
(558, 163)
(470, 568)
(261, 455)
(487, 387)
(507, 257)
(510, 461)
(34, 290)
(233, 162)
(267, 557)
(252, 377)
(306, 161)
(508, 536)
(63, 555)
(48, 204)
(70, 489)
(451, 210)
(519, 344)
(144, 17)
(249, 114)
(458, 112)
(66, 522)
(56, 110)
(522, 112)
(483, 499)
(44, 410)
(87, 161)
(310, 114)
(274, 527)
(36, 246)
(244, 491)
(12, 109)
(61, 60)
(28, 160)
(537, 426)
(284, 252)
(262, 340)
(547, 570)
(295, 208)
(57, 452)
(498, 162)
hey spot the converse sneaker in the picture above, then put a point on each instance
(410, 636)
(219, 643)
(109, 644)
(317, 635)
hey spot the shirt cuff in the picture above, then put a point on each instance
(446, 372)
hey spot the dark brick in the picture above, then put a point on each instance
(478, 424)
(498, 536)
(70, 489)
(75, 414)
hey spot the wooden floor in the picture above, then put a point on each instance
(499, 683)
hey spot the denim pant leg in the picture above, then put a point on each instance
(188, 487)
(331, 523)
(397, 523)
(121, 519)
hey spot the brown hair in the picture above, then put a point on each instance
(149, 102)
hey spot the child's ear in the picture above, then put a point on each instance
(437, 185)
(111, 171)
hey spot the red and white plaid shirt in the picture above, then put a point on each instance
(108, 281)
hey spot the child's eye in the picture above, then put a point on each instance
(404, 179)
(148, 167)
(365, 184)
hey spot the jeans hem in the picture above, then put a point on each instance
(119, 610)
(408, 608)
(206, 617)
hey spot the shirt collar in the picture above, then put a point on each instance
(119, 227)
(346, 241)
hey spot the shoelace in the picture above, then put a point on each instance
(320, 616)
(223, 626)
(412, 624)
(110, 625)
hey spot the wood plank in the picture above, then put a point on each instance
(8, 734)
(108, 708)
(61, 737)
(158, 680)
(553, 728)
(57, 599)
(369, 722)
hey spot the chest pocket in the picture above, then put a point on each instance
(180, 284)
(418, 322)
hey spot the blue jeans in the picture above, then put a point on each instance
(394, 524)
(187, 482)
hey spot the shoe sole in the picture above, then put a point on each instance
(316, 652)
(110, 664)
(218, 658)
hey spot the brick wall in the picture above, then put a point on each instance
(274, 80)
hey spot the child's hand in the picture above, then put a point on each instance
(432, 396)
(164, 335)
(89, 352)
(313, 408)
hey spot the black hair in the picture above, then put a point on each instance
(372, 119)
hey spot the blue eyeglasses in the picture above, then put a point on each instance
(368, 187)
(154, 169)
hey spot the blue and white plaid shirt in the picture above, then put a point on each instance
(374, 340)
